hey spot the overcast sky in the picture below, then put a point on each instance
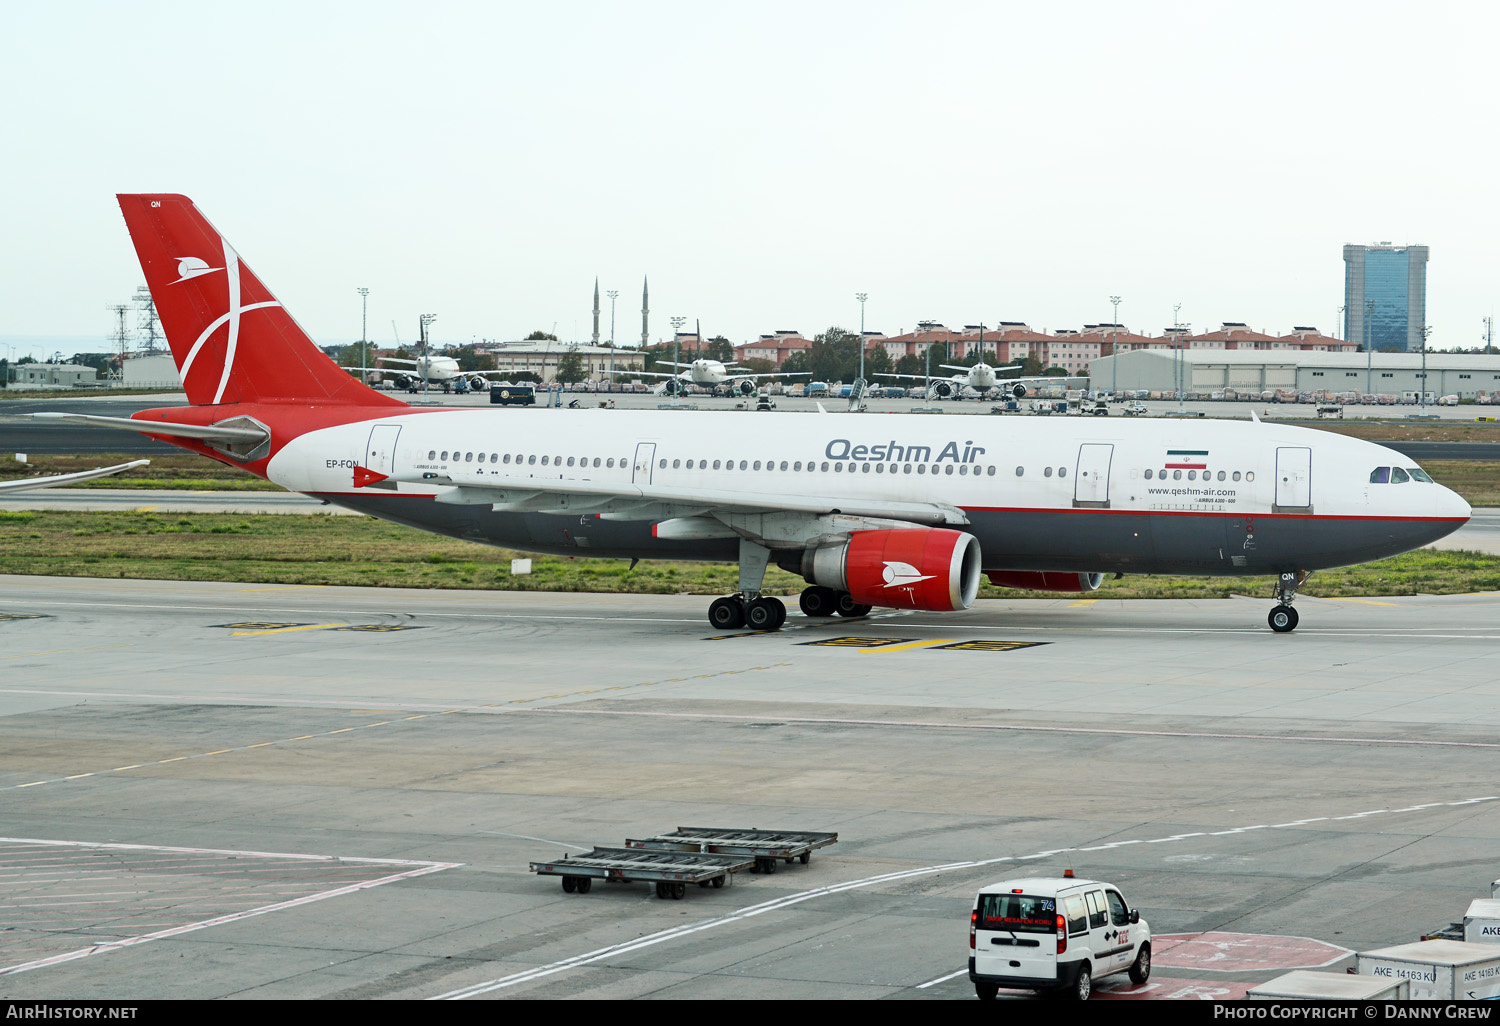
(959, 161)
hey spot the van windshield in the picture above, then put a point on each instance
(1017, 913)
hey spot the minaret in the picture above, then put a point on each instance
(596, 310)
(645, 313)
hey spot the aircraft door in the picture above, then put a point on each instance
(381, 453)
(1091, 480)
(1293, 480)
(645, 456)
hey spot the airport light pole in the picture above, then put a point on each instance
(426, 319)
(859, 400)
(1177, 343)
(1115, 349)
(1426, 330)
(364, 332)
(676, 359)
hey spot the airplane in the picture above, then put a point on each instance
(436, 370)
(902, 512)
(710, 374)
(26, 483)
(980, 378)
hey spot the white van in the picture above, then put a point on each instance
(1054, 933)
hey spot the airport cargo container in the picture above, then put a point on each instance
(1305, 985)
(1482, 921)
(1438, 970)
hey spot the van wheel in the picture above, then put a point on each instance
(1083, 983)
(986, 991)
(1140, 971)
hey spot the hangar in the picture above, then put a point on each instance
(1463, 374)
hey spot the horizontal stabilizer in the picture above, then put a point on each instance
(210, 433)
(62, 479)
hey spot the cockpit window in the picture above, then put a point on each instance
(1380, 475)
(1399, 476)
(1419, 474)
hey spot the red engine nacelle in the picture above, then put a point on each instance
(1044, 580)
(932, 569)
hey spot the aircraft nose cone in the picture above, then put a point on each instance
(1454, 505)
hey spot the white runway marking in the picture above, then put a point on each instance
(412, 869)
(787, 901)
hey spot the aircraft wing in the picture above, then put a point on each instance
(769, 374)
(997, 370)
(617, 501)
(647, 374)
(62, 479)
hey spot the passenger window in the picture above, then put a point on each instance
(1176, 475)
(797, 466)
(1119, 915)
(825, 466)
(1235, 476)
(948, 470)
(507, 457)
(1021, 471)
(676, 464)
(610, 462)
(1399, 476)
(432, 455)
(1249, 475)
(783, 464)
(532, 460)
(445, 455)
(1380, 475)
(1192, 475)
(596, 461)
(494, 457)
(481, 457)
(991, 471)
(570, 461)
(1062, 471)
(921, 468)
(662, 465)
(1221, 475)
(743, 464)
(1046, 471)
(1148, 475)
(865, 467)
(544, 461)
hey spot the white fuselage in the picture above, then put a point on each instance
(1267, 489)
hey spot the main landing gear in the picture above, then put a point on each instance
(1283, 618)
(749, 608)
(821, 601)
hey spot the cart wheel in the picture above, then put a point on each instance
(718, 882)
(661, 888)
(769, 866)
(806, 857)
(678, 890)
(756, 867)
(569, 884)
(584, 884)
(789, 862)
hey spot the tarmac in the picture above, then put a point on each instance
(235, 791)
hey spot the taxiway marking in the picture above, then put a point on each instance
(787, 901)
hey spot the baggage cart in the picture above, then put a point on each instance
(766, 847)
(670, 870)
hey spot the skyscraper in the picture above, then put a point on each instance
(1391, 283)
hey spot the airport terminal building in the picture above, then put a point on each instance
(1204, 372)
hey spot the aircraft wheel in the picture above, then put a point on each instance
(846, 606)
(727, 613)
(761, 614)
(1283, 619)
(817, 601)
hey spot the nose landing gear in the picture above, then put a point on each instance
(1283, 618)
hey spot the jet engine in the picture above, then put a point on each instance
(744, 387)
(403, 382)
(479, 383)
(673, 387)
(1018, 391)
(942, 389)
(932, 569)
(1044, 580)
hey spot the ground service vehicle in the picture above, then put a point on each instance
(1054, 933)
(513, 395)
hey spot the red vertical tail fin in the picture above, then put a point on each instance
(233, 342)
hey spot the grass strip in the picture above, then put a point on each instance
(342, 550)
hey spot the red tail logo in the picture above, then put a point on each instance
(232, 340)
